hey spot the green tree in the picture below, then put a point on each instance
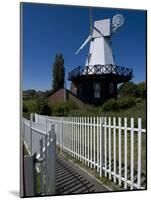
(128, 89)
(58, 72)
(142, 90)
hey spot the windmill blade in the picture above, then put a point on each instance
(86, 41)
(90, 16)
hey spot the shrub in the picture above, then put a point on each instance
(120, 104)
(30, 106)
(44, 109)
(142, 90)
(62, 108)
(128, 89)
(110, 104)
(126, 102)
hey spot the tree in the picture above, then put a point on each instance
(128, 89)
(58, 72)
(142, 90)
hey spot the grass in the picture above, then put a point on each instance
(139, 110)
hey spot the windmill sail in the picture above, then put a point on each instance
(86, 41)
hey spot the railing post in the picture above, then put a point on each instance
(46, 163)
(102, 139)
(52, 160)
(31, 114)
(61, 134)
(29, 175)
(101, 135)
(41, 175)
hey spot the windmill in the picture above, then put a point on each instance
(97, 80)
(100, 52)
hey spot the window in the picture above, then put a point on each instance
(111, 88)
(96, 90)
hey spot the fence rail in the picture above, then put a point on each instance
(114, 147)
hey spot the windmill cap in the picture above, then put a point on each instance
(101, 27)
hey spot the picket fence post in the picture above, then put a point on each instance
(31, 116)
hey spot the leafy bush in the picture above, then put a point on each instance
(44, 109)
(142, 90)
(62, 108)
(128, 89)
(30, 106)
(111, 104)
(126, 102)
(36, 106)
(120, 104)
(133, 90)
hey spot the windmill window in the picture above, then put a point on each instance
(111, 88)
(96, 90)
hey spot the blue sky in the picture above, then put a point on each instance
(50, 29)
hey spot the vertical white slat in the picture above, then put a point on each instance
(42, 167)
(105, 141)
(119, 128)
(91, 140)
(100, 149)
(80, 138)
(64, 138)
(97, 129)
(139, 152)
(71, 137)
(125, 152)
(85, 139)
(62, 133)
(31, 133)
(94, 133)
(65, 133)
(76, 139)
(114, 132)
(46, 163)
(132, 152)
(109, 123)
(88, 121)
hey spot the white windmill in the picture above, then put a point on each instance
(98, 80)
(100, 51)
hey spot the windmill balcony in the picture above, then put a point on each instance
(115, 72)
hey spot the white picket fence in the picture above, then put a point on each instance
(107, 145)
(40, 138)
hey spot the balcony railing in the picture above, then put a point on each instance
(100, 70)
